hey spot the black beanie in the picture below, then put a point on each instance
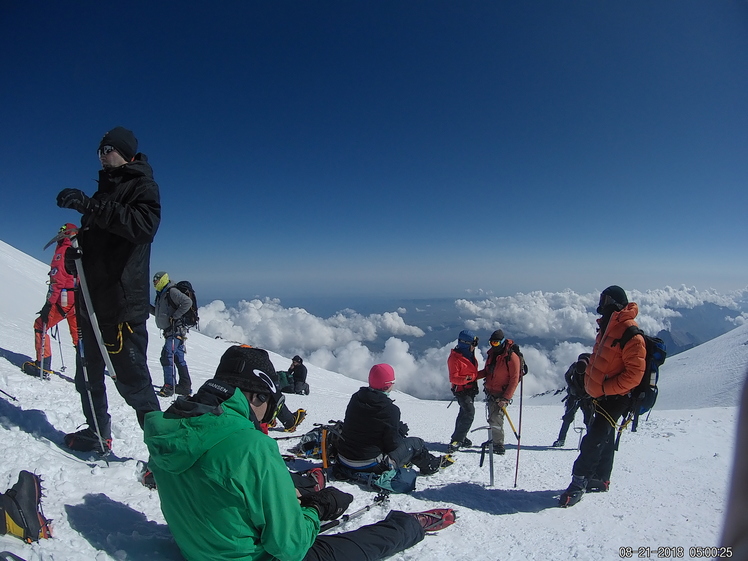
(248, 369)
(617, 294)
(497, 335)
(123, 141)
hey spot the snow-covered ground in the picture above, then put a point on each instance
(668, 486)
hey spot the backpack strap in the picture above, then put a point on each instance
(630, 332)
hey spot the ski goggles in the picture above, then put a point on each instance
(496, 343)
(104, 150)
(474, 342)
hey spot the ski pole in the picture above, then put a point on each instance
(10, 396)
(91, 312)
(380, 499)
(59, 342)
(288, 437)
(99, 340)
(511, 424)
(516, 468)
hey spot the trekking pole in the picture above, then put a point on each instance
(451, 402)
(59, 343)
(41, 358)
(10, 396)
(99, 340)
(380, 499)
(287, 437)
(511, 424)
(516, 468)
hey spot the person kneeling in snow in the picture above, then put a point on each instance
(373, 437)
(225, 490)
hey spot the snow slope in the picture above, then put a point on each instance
(669, 482)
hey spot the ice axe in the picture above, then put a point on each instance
(511, 424)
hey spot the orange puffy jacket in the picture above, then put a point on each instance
(613, 371)
(502, 375)
(461, 370)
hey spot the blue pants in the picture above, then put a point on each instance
(173, 354)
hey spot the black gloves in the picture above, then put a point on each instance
(77, 200)
(403, 429)
(44, 312)
(71, 254)
(329, 502)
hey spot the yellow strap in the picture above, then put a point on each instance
(120, 340)
(606, 415)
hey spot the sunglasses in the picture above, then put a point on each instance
(497, 343)
(104, 150)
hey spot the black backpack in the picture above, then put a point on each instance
(190, 318)
(514, 348)
(320, 443)
(645, 394)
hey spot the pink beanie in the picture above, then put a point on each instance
(381, 377)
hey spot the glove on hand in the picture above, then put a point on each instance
(403, 429)
(71, 254)
(329, 502)
(77, 200)
(44, 312)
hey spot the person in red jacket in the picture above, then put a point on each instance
(463, 375)
(610, 376)
(60, 302)
(502, 374)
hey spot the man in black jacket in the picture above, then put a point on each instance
(298, 371)
(118, 224)
(374, 439)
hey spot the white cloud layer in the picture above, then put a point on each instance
(338, 343)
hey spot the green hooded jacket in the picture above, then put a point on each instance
(224, 488)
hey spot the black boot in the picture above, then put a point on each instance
(574, 492)
(21, 510)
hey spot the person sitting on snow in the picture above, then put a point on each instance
(373, 437)
(225, 490)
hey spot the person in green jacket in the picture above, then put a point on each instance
(225, 490)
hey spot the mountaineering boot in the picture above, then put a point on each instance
(166, 391)
(436, 463)
(21, 510)
(559, 443)
(435, 519)
(499, 449)
(32, 368)
(183, 388)
(86, 441)
(298, 417)
(456, 445)
(597, 486)
(574, 492)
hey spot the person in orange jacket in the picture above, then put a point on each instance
(463, 375)
(60, 302)
(609, 378)
(502, 374)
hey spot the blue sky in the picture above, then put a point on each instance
(410, 149)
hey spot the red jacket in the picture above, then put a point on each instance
(59, 278)
(502, 376)
(612, 371)
(462, 371)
